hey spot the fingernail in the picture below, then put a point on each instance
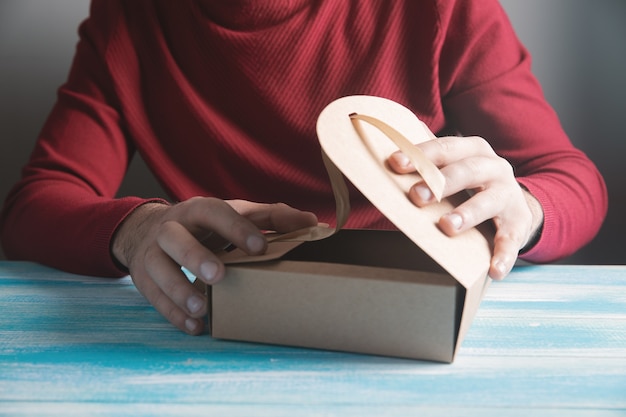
(208, 270)
(501, 268)
(423, 192)
(195, 303)
(456, 220)
(255, 243)
(402, 159)
(191, 325)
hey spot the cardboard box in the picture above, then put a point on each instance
(410, 293)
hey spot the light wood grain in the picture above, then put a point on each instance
(548, 341)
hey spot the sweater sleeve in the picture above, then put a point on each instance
(63, 212)
(488, 90)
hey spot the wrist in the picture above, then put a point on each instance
(537, 219)
(131, 231)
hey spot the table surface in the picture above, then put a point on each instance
(548, 341)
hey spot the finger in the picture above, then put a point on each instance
(482, 206)
(506, 248)
(278, 217)
(165, 306)
(449, 149)
(443, 151)
(511, 235)
(473, 173)
(175, 286)
(183, 247)
(400, 163)
(201, 214)
(513, 226)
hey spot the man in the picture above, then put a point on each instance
(220, 99)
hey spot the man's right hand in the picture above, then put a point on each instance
(155, 240)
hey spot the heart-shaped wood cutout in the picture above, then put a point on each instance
(360, 151)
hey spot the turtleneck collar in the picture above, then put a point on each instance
(247, 15)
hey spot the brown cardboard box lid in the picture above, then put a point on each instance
(361, 155)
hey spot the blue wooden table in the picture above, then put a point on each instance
(547, 341)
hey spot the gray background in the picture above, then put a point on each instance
(579, 50)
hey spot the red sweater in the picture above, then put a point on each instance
(226, 106)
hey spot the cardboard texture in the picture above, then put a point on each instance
(410, 293)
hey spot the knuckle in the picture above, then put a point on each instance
(505, 166)
(167, 228)
(187, 255)
(474, 167)
(280, 206)
(151, 254)
(183, 207)
(446, 144)
(482, 145)
(202, 210)
(163, 303)
(516, 232)
(173, 315)
(178, 295)
(511, 237)
(237, 202)
(194, 200)
(169, 287)
(277, 210)
(242, 207)
(239, 225)
(199, 205)
(436, 150)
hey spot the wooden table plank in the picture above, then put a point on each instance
(549, 340)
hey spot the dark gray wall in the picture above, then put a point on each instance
(579, 49)
(37, 41)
